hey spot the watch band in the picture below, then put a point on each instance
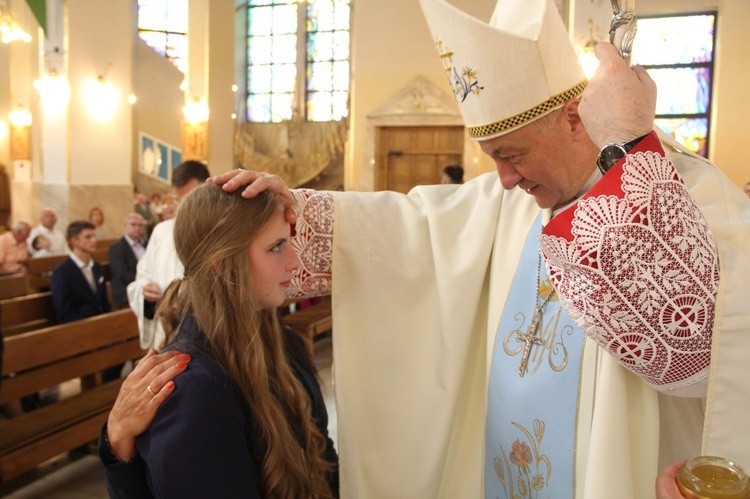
(613, 152)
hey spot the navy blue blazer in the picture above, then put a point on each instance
(72, 296)
(204, 440)
(122, 266)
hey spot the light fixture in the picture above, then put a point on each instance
(196, 112)
(54, 92)
(132, 99)
(101, 98)
(10, 30)
(587, 59)
(20, 133)
(20, 117)
(195, 131)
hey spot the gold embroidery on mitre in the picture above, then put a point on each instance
(476, 132)
(464, 82)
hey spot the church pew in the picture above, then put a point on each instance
(26, 313)
(311, 322)
(45, 358)
(104, 244)
(39, 271)
(12, 286)
(33, 311)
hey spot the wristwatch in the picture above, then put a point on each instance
(614, 152)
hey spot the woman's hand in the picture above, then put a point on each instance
(666, 482)
(140, 396)
(255, 183)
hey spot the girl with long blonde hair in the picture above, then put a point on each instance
(247, 418)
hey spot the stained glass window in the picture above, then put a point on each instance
(678, 52)
(272, 59)
(162, 24)
(278, 77)
(327, 60)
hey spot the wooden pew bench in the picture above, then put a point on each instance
(12, 286)
(311, 322)
(26, 313)
(39, 271)
(104, 244)
(47, 357)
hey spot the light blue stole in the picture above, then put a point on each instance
(531, 419)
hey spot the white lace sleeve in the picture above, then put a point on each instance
(639, 273)
(313, 242)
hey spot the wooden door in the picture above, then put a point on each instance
(410, 156)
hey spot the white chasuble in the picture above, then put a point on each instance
(419, 284)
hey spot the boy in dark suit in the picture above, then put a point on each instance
(123, 258)
(77, 285)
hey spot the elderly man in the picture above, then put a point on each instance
(46, 228)
(123, 258)
(13, 249)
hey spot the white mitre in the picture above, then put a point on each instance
(510, 72)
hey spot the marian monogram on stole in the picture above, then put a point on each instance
(551, 345)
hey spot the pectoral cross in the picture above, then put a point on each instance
(529, 338)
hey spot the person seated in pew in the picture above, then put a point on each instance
(46, 227)
(13, 253)
(96, 217)
(41, 245)
(77, 284)
(248, 418)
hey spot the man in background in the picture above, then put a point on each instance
(123, 258)
(453, 174)
(46, 228)
(77, 285)
(13, 249)
(142, 207)
(160, 265)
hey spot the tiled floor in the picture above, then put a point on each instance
(80, 477)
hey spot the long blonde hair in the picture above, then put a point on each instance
(212, 232)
